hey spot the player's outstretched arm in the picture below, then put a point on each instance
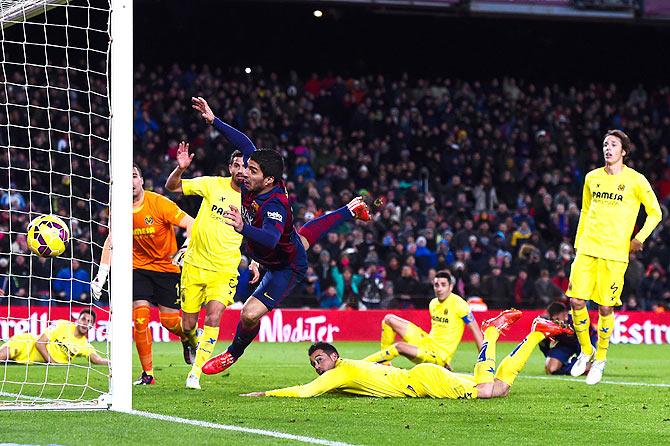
(173, 183)
(330, 380)
(103, 271)
(98, 360)
(41, 346)
(234, 136)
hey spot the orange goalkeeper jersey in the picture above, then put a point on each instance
(154, 241)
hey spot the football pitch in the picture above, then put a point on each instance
(632, 405)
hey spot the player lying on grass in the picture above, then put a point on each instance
(61, 343)
(424, 380)
(562, 351)
(449, 315)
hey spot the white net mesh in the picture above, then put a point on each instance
(54, 159)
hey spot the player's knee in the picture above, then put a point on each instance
(577, 304)
(605, 311)
(213, 319)
(250, 316)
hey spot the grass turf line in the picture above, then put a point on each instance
(535, 409)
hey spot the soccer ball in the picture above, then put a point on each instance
(48, 236)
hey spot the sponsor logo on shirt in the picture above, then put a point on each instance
(607, 196)
(275, 216)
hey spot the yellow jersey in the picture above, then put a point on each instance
(448, 319)
(610, 205)
(214, 245)
(64, 345)
(372, 379)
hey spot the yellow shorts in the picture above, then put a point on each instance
(596, 279)
(200, 286)
(432, 381)
(428, 350)
(22, 348)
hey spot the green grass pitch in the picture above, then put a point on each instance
(537, 411)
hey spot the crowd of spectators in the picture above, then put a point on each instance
(481, 177)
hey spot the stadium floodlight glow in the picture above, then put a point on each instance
(318, 13)
(247, 70)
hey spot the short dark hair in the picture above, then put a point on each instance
(625, 140)
(234, 155)
(88, 311)
(556, 307)
(327, 348)
(445, 274)
(139, 171)
(271, 163)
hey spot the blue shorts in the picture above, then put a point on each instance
(276, 285)
(563, 352)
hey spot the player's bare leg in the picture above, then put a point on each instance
(171, 320)
(582, 324)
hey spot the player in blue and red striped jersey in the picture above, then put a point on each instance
(266, 222)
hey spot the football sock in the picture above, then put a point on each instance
(582, 324)
(314, 229)
(513, 363)
(206, 344)
(384, 355)
(172, 322)
(143, 339)
(485, 367)
(605, 325)
(388, 336)
(243, 337)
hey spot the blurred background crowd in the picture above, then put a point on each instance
(481, 178)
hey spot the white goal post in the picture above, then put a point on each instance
(66, 148)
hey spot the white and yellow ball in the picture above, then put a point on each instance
(48, 236)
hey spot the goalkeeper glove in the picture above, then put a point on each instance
(99, 281)
(178, 258)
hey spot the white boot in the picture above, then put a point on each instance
(579, 367)
(596, 372)
(193, 382)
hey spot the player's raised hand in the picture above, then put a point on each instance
(234, 218)
(201, 106)
(255, 273)
(183, 157)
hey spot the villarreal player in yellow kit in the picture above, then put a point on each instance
(60, 344)
(610, 205)
(449, 315)
(209, 274)
(424, 380)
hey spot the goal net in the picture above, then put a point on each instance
(55, 158)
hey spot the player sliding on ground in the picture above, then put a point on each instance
(449, 315)
(59, 344)
(266, 223)
(610, 205)
(424, 380)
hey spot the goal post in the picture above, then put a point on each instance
(66, 148)
(122, 203)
